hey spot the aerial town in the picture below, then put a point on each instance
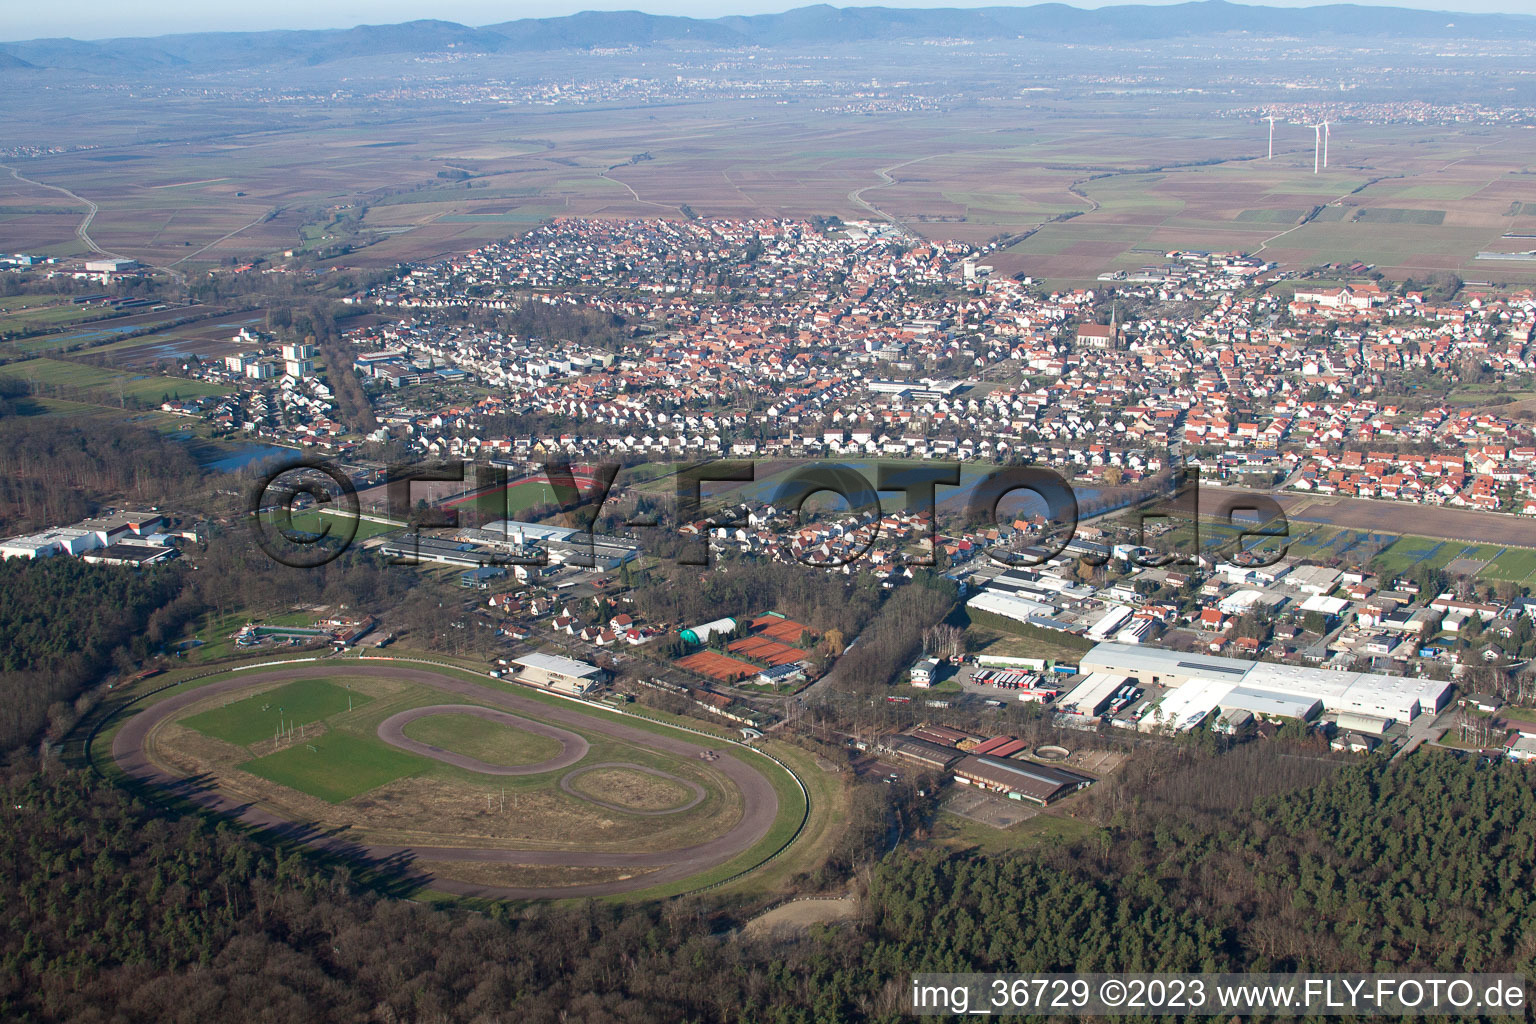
(830, 340)
(648, 518)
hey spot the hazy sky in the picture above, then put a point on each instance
(101, 19)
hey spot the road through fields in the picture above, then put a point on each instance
(760, 802)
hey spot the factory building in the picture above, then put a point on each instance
(1201, 683)
(1090, 697)
(1010, 606)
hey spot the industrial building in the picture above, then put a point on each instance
(565, 675)
(1201, 683)
(562, 545)
(922, 752)
(1021, 780)
(1090, 697)
(110, 265)
(128, 553)
(412, 548)
(1010, 606)
(86, 535)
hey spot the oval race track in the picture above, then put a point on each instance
(572, 747)
(759, 801)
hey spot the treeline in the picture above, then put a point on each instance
(234, 574)
(54, 472)
(691, 594)
(894, 638)
(61, 624)
(120, 913)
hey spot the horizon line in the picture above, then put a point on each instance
(1294, 5)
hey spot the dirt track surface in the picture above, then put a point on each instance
(567, 783)
(572, 747)
(760, 803)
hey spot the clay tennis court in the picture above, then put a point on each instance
(717, 666)
(775, 628)
(760, 648)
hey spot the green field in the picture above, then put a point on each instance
(1406, 553)
(491, 742)
(336, 767)
(22, 314)
(76, 380)
(1514, 564)
(313, 521)
(256, 718)
(1394, 215)
(1271, 216)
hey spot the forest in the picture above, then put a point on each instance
(61, 623)
(123, 911)
(53, 471)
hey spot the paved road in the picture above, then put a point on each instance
(572, 747)
(83, 232)
(1420, 730)
(760, 803)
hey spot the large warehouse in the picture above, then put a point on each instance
(1023, 780)
(1201, 682)
(1010, 606)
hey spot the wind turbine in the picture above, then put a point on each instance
(1317, 146)
(1325, 143)
(1271, 119)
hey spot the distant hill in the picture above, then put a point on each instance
(820, 25)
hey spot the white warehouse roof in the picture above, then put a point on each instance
(1008, 605)
(1367, 693)
(1090, 695)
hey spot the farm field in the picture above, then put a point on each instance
(23, 314)
(1368, 514)
(108, 331)
(58, 378)
(1410, 198)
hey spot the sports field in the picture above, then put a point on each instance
(265, 715)
(717, 666)
(334, 767)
